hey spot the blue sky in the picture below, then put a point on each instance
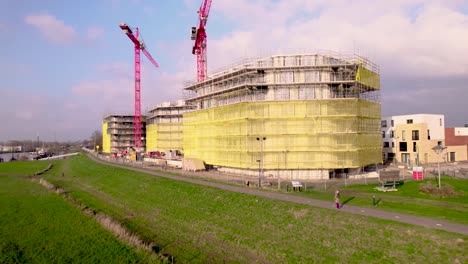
(65, 64)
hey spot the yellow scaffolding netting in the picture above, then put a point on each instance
(106, 140)
(368, 78)
(316, 134)
(164, 136)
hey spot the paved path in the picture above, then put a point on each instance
(409, 219)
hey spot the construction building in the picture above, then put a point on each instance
(409, 139)
(456, 140)
(289, 116)
(164, 127)
(118, 133)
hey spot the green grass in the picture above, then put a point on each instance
(407, 200)
(22, 168)
(38, 226)
(200, 224)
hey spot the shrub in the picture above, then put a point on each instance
(445, 191)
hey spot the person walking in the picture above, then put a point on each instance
(337, 199)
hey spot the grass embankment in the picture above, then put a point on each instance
(38, 226)
(200, 224)
(408, 199)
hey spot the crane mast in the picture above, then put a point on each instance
(138, 46)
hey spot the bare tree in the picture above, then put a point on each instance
(96, 139)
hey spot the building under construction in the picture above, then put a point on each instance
(164, 127)
(294, 117)
(118, 133)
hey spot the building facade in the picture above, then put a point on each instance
(456, 140)
(118, 133)
(409, 139)
(294, 116)
(164, 127)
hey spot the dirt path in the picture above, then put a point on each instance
(403, 218)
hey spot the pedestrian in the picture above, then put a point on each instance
(337, 199)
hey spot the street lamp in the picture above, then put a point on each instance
(260, 161)
(438, 149)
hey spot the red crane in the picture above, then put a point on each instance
(139, 45)
(199, 35)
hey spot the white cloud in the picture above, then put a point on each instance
(413, 37)
(53, 29)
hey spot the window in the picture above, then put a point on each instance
(383, 134)
(403, 146)
(415, 147)
(384, 123)
(428, 134)
(409, 121)
(392, 134)
(386, 145)
(393, 144)
(415, 134)
(393, 123)
(403, 135)
(440, 121)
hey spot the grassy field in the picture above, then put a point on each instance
(199, 224)
(408, 199)
(38, 226)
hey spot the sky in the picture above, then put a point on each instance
(64, 65)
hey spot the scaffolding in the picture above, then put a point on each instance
(295, 77)
(164, 128)
(316, 112)
(320, 134)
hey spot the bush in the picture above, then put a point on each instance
(23, 158)
(445, 191)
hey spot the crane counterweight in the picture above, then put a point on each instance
(199, 35)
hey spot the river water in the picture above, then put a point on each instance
(7, 156)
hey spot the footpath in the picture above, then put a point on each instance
(403, 218)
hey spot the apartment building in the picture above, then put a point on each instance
(409, 139)
(456, 140)
(118, 133)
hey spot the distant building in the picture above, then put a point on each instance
(456, 140)
(11, 148)
(410, 138)
(164, 128)
(118, 133)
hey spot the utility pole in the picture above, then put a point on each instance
(260, 173)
